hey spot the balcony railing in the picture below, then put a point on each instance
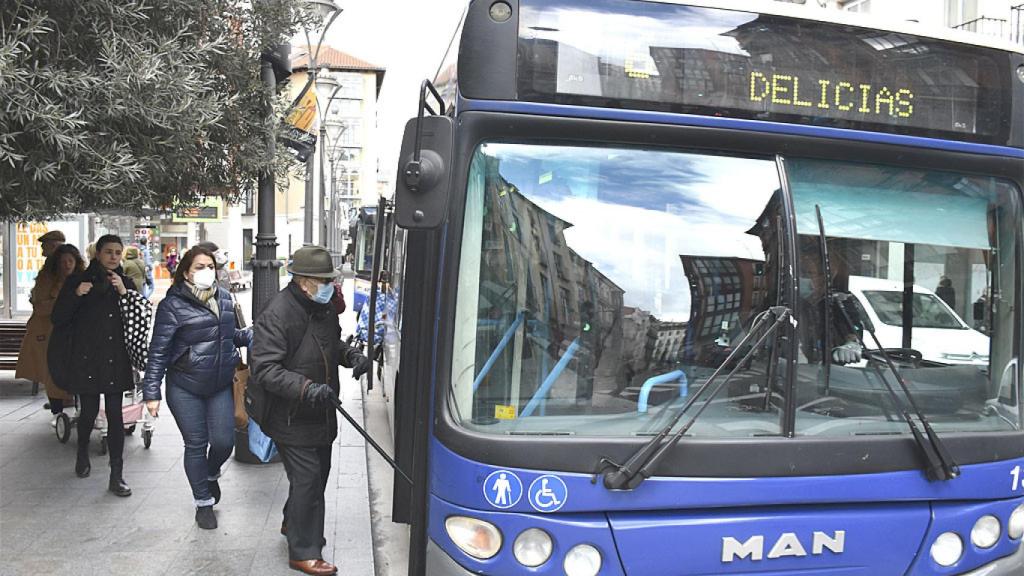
(998, 27)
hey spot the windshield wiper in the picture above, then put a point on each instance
(939, 465)
(826, 269)
(641, 465)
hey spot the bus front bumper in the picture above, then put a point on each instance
(1006, 566)
(439, 563)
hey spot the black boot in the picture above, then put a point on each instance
(117, 484)
(82, 466)
(205, 518)
(214, 490)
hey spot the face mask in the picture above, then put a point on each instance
(203, 279)
(324, 293)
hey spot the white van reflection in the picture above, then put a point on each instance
(939, 334)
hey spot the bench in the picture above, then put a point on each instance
(12, 333)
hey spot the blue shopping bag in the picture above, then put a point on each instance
(260, 444)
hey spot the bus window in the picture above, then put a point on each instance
(929, 259)
(600, 286)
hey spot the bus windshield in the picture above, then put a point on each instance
(600, 286)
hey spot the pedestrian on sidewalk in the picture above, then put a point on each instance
(147, 258)
(64, 262)
(297, 348)
(87, 355)
(195, 344)
(134, 266)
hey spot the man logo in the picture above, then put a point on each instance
(788, 545)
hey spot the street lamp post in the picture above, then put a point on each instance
(265, 264)
(329, 217)
(327, 9)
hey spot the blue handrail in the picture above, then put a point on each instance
(550, 380)
(498, 350)
(645, 390)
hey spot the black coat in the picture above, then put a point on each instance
(297, 342)
(195, 348)
(87, 354)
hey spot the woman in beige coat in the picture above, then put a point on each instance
(65, 261)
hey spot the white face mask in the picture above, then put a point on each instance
(204, 278)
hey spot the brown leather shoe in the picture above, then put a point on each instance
(315, 567)
(284, 529)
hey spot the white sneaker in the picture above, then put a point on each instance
(53, 422)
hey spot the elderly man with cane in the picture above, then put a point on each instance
(297, 348)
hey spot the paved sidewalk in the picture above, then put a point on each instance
(52, 522)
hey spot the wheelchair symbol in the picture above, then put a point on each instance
(548, 493)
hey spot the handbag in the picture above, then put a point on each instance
(260, 444)
(136, 318)
(238, 385)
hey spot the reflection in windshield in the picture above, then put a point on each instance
(606, 282)
(928, 311)
(891, 232)
(599, 287)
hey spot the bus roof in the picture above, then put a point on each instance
(853, 19)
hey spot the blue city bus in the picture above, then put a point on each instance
(704, 288)
(362, 231)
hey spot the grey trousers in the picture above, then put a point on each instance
(308, 468)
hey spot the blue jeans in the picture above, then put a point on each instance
(207, 425)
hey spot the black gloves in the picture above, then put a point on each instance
(320, 395)
(360, 365)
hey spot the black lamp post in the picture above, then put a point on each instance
(329, 10)
(275, 65)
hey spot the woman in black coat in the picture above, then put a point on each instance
(87, 354)
(195, 344)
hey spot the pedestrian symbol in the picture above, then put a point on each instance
(548, 493)
(503, 489)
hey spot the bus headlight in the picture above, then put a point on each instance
(475, 537)
(582, 560)
(986, 531)
(1015, 529)
(532, 547)
(947, 549)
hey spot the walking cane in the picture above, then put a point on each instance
(376, 446)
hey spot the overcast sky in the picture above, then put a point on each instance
(408, 38)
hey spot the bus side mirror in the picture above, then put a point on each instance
(424, 173)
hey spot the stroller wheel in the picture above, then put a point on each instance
(147, 438)
(103, 446)
(63, 428)
(129, 430)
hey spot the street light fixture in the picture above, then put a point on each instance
(329, 10)
(275, 65)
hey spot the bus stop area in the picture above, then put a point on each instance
(52, 522)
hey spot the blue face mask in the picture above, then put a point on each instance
(324, 293)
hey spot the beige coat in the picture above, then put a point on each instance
(32, 357)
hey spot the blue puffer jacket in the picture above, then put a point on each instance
(197, 350)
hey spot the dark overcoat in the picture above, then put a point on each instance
(195, 348)
(87, 353)
(297, 342)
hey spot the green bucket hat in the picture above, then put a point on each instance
(313, 261)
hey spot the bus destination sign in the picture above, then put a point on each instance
(715, 62)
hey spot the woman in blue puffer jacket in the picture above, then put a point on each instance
(195, 343)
